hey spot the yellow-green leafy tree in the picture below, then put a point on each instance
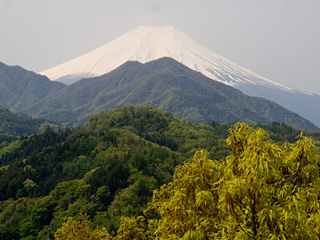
(132, 228)
(80, 229)
(260, 191)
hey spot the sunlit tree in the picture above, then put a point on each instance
(132, 229)
(80, 230)
(260, 191)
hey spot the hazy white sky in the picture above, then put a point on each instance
(278, 39)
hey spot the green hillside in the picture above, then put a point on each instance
(20, 125)
(107, 169)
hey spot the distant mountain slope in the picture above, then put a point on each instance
(305, 104)
(147, 43)
(167, 85)
(17, 124)
(20, 88)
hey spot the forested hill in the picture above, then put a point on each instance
(106, 169)
(18, 124)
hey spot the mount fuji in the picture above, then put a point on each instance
(147, 43)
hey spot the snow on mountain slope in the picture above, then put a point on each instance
(147, 43)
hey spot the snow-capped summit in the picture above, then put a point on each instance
(147, 43)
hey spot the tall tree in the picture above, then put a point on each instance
(260, 191)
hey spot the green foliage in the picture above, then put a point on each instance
(132, 229)
(80, 166)
(84, 145)
(114, 164)
(39, 158)
(19, 125)
(281, 132)
(130, 201)
(80, 230)
(161, 128)
(9, 148)
(5, 139)
(39, 214)
(114, 177)
(110, 168)
(186, 206)
(12, 213)
(261, 191)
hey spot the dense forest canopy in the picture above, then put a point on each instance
(119, 176)
(20, 125)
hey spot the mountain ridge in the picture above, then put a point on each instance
(20, 125)
(167, 85)
(146, 43)
(20, 88)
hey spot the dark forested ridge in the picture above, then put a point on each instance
(106, 169)
(20, 88)
(20, 125)
(164, 84)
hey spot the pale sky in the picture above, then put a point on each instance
(278, 39)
